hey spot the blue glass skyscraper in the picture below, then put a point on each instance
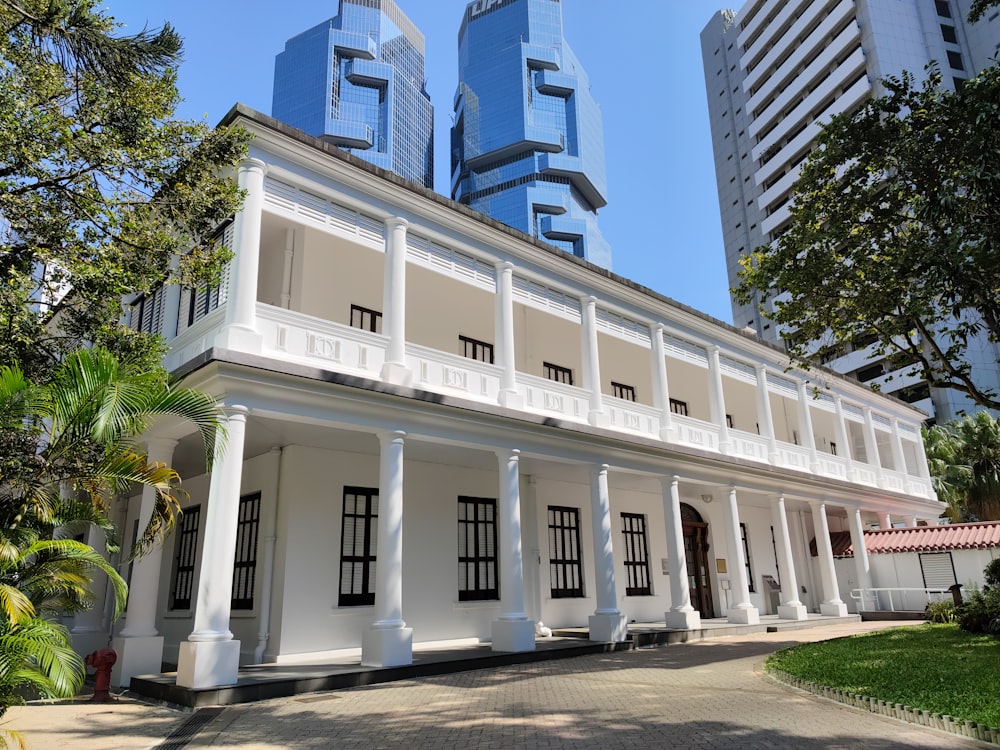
(528, 139)
(357, 80)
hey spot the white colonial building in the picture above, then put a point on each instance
(440, 429)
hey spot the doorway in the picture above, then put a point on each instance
(696, 552)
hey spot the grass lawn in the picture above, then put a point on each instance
(937, 668)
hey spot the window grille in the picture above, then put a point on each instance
(565, 568)
(245, 562)
(620, 390)
(557, 373)
(358, 547)
(636, 555)
(475, 349)
(477, 549)
(187, 554)
(365, 319)
(746, 556)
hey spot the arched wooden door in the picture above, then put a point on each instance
(696, 552)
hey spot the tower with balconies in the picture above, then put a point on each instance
(775, 71)
(527, 144)
(357, 80)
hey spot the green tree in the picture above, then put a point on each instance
(895, 234)
(964, 460)
(101, 187)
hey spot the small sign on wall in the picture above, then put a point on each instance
(720, 566)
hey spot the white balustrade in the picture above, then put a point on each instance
(321, 343)
(550, 397)
(696, 433)
(632, 417)
(793, 456)
(435, 370)
(195, 340)
(748, 445)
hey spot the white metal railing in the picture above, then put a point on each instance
(879, 595)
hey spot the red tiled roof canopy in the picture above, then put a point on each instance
(982, 535)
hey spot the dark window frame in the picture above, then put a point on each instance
(367, 319)
(557, 373)
(245, 558)
(482, 580)
(476, 349)
(623, 391)
(679, 407)
(637, 573)
(565, 556)
(185, 558)
(744, 536)
(367, 558)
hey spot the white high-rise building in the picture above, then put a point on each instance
(774, 72)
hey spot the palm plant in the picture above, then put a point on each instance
(964, 461)
(66, 447)
(80, 430)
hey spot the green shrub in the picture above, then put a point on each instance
(981, 612)
(942, 611)
(991, 573)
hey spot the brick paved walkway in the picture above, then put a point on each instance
(711, 694)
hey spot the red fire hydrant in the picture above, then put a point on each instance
(102, 661)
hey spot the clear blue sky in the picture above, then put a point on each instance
(644, 62)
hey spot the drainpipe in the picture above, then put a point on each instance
(267, 578)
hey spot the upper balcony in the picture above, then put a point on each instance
(574, 354)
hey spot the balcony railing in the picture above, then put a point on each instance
(314, 341)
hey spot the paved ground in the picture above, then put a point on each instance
(711, 694)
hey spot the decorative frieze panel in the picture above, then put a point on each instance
(738, 370)
(683, 349)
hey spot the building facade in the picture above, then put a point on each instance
(527, 146)
(442, 429)
(774, 71)
(357, 80)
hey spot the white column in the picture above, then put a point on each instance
(139, 645)
(791, 608)
(681, 614)
(862, 565)
(394, 303)
(388, 642)
(286, 269)
(871, 446)
(607, 623)
(717, 398)
(764, 415)
(210, 657)
(592, 361)
(241, 332)
(504, 328)
(832, 604)
(269, 537)
(661, 386)
(885, 520)
(923, 469)
(898, 459)
(912, 522)
(843, 440)
(742, 610)
(806, 426)
(513, 631)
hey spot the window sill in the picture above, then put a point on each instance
(336, 611)
(478, 604)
